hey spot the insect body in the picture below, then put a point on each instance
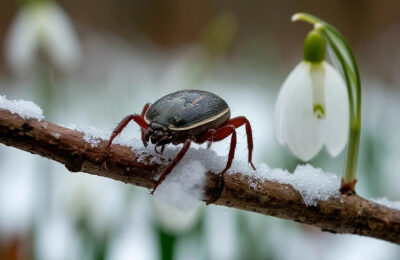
(187, 116)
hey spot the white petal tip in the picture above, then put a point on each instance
(334, 151)
(279, 140)
(304, 157)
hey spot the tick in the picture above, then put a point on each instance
(183, 117)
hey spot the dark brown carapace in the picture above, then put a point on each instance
(183, 117)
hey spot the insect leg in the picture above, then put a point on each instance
(222, 133)
(138, 119)
(238, 122)
(171, 166)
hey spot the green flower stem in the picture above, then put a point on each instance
(352, 77)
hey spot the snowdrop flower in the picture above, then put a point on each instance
(175, 220)
(312, 109)
(42, 25)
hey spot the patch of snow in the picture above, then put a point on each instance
(25, 109)
(184, 186)
(91, 135)
(312, 183)
(388, 203)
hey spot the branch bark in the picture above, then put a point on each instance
(343, 214)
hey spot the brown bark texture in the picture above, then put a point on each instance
(347, 213)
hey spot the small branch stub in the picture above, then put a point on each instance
(74, 162)
(348, 187)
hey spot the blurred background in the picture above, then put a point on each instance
(90, 63)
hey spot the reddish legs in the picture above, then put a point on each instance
(223, 133)
(143, 130)
(171, 166)
(138, 119)
(235, 122)
(238, 122)
(213, 135)
(135, 117)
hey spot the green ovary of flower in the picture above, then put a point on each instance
(314, 47)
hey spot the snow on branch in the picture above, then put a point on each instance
(307, 196)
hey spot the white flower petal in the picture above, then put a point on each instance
(290, 83)
(21, 41)
(59, 38)
(337, 111)
(301, 128)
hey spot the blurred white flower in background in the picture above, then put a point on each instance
(46, 27)
(82, 193)
(56, 238)
(18, 193)
(312, 109)
(175, 220)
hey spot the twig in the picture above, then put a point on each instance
(342, 214)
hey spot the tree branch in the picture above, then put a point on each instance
(343, 214)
